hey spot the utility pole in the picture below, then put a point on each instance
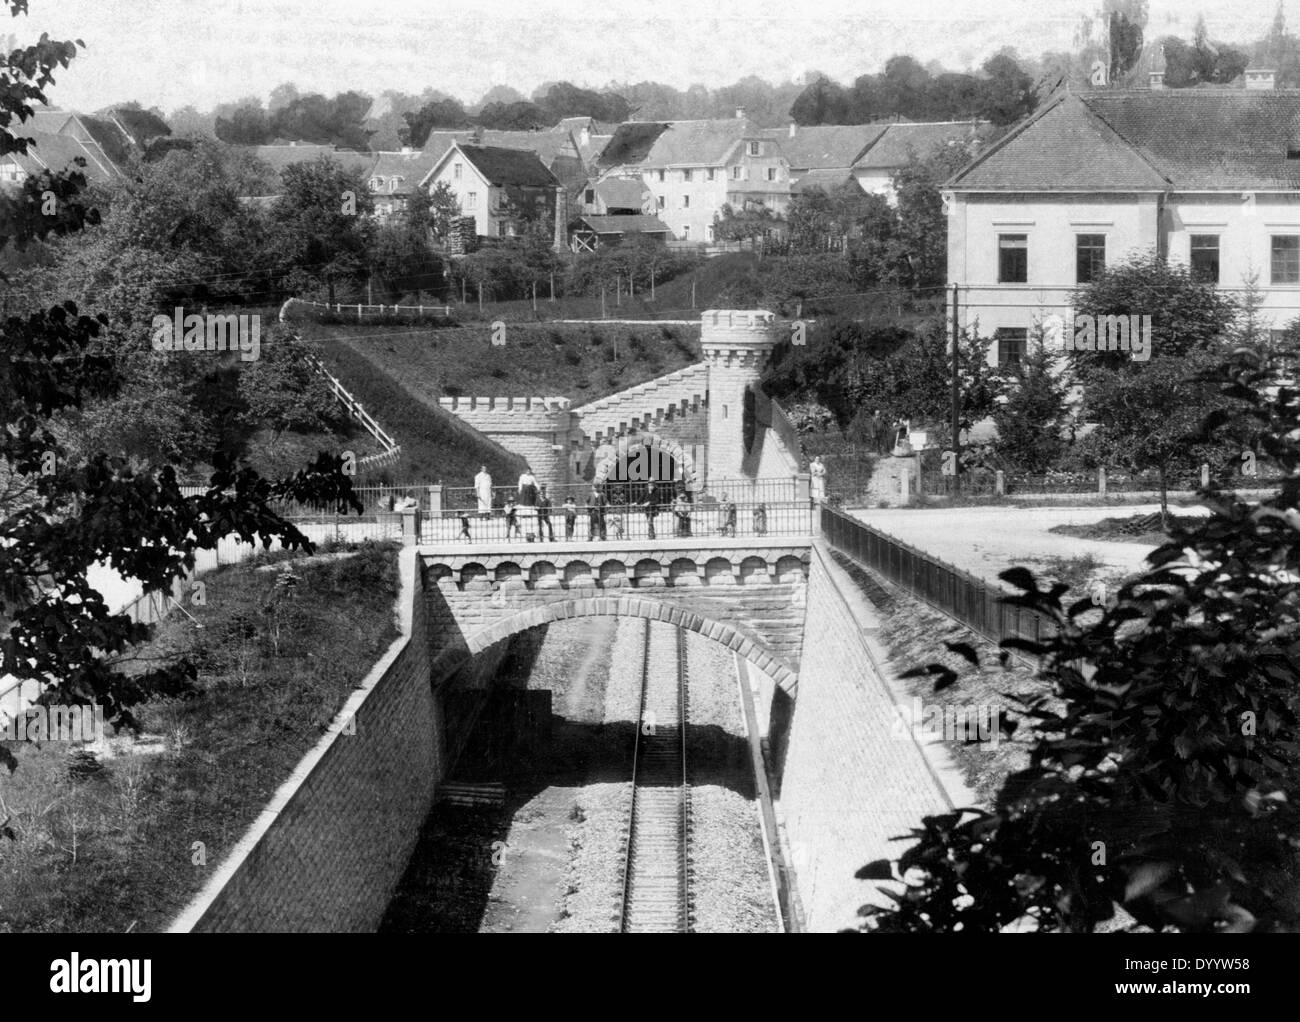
(602, 301)
(480, 296)
(956, 399)
(552, 285)
(692, 292)
(534, 296)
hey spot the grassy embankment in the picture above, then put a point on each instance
(107, 843)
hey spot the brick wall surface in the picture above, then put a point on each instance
(327, 852)
(851, 782)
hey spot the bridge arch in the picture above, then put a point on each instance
(624, 445)
(631, 606)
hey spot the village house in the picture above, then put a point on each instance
(823, 155)
(901, 142)
(501, 189)
(58, 138)
(1203, 177)
(554, 147)
(694, 168)
(394, 178)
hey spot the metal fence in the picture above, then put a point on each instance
(618, 522)
(973, 601)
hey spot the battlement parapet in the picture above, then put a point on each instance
(461, 405)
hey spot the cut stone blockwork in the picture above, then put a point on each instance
(746, 598)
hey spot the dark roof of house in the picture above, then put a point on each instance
(627, 224)
(1149, 140)
(631, 142)
(501, 166)
(899, 142)
(823, 146)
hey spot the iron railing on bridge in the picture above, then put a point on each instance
(975, 602)
(620, 522)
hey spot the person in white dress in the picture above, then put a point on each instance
(528, 503)
(818, 473)
(483, 491)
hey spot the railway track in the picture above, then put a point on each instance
(656, 895)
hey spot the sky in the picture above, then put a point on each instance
(170, 53)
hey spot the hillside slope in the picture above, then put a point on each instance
(435, 445)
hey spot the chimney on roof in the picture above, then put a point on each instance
(1261, 78)
(794, 128)
(740, 112)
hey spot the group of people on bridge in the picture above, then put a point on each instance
(529, 511)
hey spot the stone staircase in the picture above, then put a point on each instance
(646, 404)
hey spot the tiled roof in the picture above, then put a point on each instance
(411, 166)
(1062, 147)
(822, 146)
(501, 166)
(698, 143)
(900, 142)
(56, 152)
(438, 142)
(626, 224)
(621, 192)
(827, 180)
(277, 157)
(631, 142)
(548, 145)
(1207, 138)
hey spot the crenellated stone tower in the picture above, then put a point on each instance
(736, 344)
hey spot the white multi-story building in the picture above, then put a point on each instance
(1209, 178)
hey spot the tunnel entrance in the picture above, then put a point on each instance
(642, 472)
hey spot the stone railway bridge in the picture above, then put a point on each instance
(746, 594)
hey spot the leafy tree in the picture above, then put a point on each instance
(754, 223)
(822, 102)
(246, 124)
(1008, 91)
(1031, 421)
(1146, 410)
(564, 99)
(440, 113)
(63, 512)
(283, 391)
(1163, 765)
(321, 221)
(444, 211)
(518, 116)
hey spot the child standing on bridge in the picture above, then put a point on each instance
(512, 518)
(760, 520)
(464, 527)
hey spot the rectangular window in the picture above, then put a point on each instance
(455, 171)
(686, 201)
(736, 172)
(686, 231)
(709, 173)
(1205, 258)
(661, 202)
(1286, 259)
(771, 173)
(1013, 258)
(1012, 344)
(1089, 257)
(590, 197)
(755, 148)
(661, 175)
(471, 200)
(686, 175)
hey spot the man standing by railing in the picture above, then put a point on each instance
(596, 514)
(544, 515)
